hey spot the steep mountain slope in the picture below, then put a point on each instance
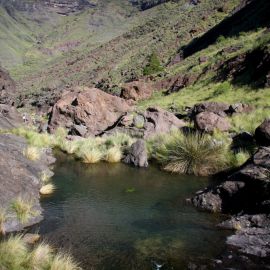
(113, 41)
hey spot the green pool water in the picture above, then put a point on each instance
(113, 216)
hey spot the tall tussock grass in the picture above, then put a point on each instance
(15, 254)
(192, 153)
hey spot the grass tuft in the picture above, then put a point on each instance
(32, 153)
(23, 209)
(194, 153)
(47, 189)
(113, 155)
(3, 219)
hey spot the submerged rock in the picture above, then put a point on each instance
(137, 154)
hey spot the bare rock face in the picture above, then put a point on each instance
(20, 178)
(137, 90)
(209, 121)
(262, 133)
(9, 117)
(90, 108)
(7, 88)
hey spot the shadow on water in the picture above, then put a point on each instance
(112, 216)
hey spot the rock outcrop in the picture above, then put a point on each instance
(89, 110)
(7, 88)
(20, 178)
(246, 194)
(137, 90)
(137, 154)
(147, 124)
(9, 117)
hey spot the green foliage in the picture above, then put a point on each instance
(24, 209)
(15, 254)
(153, 65)
(193, 153)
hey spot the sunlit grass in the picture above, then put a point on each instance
(47, 189)
(113, 155)
(24, 209)
(15, 254)
(3, 219)
(32, 153)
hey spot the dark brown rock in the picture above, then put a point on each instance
(262, 133)
(88, 107)
(209, 121)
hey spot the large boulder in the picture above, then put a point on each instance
(89, 111)
(218, 108)
(9, 117)
(137, 90)
(137, 154)
(7, 88)
(149, 123)
(262, 133)
(209, 121)
(20, 178)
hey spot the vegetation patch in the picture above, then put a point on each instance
(16, 254)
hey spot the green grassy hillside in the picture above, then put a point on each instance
(112, 41)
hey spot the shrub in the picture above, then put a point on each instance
(47, 189)
(113, 155)
(64, 262)
(23, 209)
(90, 155)
(32, 153)
(153, 65)
(194, 153)
(41, 256)
(15, 254)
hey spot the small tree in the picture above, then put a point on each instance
(153, 65)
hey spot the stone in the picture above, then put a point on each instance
(209, 121)
(262, 133)
(240, 108)
(31, 238)
(92, 108)
(208, 201)
(137, 154)
(262, 157)
(78, 130)
(9, 117)
(147, 124)
(20, 177)
(7, 88)
(137, 90)
(218, 108)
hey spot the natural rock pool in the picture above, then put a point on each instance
(112, 216)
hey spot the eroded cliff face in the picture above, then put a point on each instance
(64, 7)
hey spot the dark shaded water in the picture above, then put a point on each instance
(112, 216)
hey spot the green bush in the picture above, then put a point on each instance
(153, 65)
(194, 153)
